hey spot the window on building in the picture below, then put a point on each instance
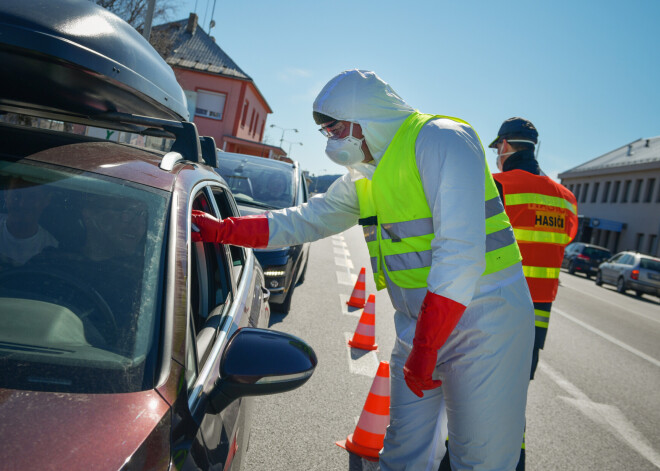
(210, 104)
(650, 186)
(577, 192)
(606, 238)
(251, 122)
(606, 192)
(637, 191)
(615, 192)
(626, 191)
(594, 194)
(638, 244)
(256, 124)
(584, 192)
(245, 112)
(191, 99)
(652, 238)
(261, 133)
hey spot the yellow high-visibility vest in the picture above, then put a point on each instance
(398, 223)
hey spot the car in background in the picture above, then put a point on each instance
(631, 271)
(584, 258)
(123, 343)
(259, 185)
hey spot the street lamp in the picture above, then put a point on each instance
(290, 144)
(283, 131)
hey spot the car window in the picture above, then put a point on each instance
(650, 264)
(627, 259)
(210, 285)
(228, 209)
(81, 266)
(616, 258)
(593, 252)
(257, 182)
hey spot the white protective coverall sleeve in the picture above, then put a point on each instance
(322, 216)
(451, 165)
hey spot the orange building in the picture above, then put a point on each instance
(223, 101)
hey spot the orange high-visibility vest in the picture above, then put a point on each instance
(543, 214)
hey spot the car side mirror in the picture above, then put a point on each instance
(257, 362)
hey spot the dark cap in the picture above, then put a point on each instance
(516, 128)
(320, 118)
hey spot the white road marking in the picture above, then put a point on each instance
(346, 278)
(361, 362)
(343, 262)
(342, 252)
(608, 337)
(604, 414)
(620, 306)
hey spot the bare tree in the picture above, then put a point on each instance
(134, 11)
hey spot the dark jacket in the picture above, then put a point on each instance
(521, 160)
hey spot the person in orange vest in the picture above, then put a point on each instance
(543, 214)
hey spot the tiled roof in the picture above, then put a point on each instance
(195, 51)
(641, 151)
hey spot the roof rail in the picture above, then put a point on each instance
(186, 139)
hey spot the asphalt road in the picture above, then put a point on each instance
(594, 405)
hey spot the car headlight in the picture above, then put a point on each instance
(274, 272)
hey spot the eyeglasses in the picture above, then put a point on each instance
(327, 130)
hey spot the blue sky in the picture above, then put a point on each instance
(586, 73)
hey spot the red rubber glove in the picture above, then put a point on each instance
(437, 318)
(246, 231)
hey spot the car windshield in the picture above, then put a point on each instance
(593, 252)
(258, 183)
(650, 264)
(80, 263)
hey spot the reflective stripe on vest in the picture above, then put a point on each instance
(399, 228)
(541, 272)
(526, 235)
(535, 198)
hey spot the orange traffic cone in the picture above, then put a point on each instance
(367, 439)
(365, 332)
(357, 297)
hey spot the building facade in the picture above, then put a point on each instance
(618, 197)
(223, 101)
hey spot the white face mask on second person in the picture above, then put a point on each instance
(346, 151)
(500, 163)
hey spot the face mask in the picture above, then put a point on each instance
(499, 160)
(346, 151)
(499, 156)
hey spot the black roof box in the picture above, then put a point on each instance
(75, 61)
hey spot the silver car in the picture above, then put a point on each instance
(631, 271)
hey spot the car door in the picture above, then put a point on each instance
(221, 300)
(620, 265)
(607, 272)
(567, 254)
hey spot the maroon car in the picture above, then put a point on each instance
(123, 343)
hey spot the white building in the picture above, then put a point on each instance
(618, 197)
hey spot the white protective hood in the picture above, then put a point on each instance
(362, 97)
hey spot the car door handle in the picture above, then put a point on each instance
(266, 294)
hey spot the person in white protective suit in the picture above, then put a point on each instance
(441, 244)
